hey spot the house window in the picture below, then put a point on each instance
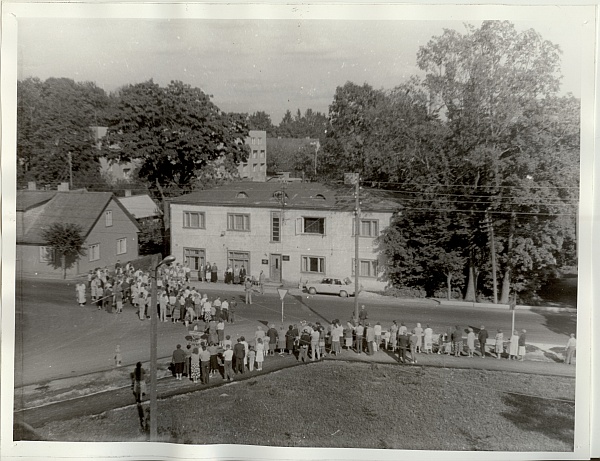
(262, 153)
(194, 258)
(313, 264)
(239, 259)
(253, 154)
(94, 252)
(368, 227)
(108, 218)
(275, 227)
(121, 246)
(238, 222)
(366, 267)
(311, 225)
(47, 255)
(193, 219)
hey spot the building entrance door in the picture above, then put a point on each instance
(275, 268)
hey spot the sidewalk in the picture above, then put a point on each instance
(95, 393)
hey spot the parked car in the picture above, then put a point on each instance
(330, 285)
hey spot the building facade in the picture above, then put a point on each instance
(110, 232)
(291, 232)
(255, 169)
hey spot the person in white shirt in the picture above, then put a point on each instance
(570, 349)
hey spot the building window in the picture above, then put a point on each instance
(262, 153)
(253, 154)
(238, 222)
(307, 225)
(47, 255)
(366, 267)
(94, 252)
(194, 257)
(193, 219)
(121, 246)
(108, 218)
(275, 227)
(313, 264)
(368, 227)
(239, 259)
(241, 195)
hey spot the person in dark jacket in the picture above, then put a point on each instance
(239, 352)
(482, 337)
(403, 344)
(179, 361)
(304, 343)
(457, 341)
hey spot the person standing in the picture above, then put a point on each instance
(403, 344)
(225, 310)
(362, 315)
(163, 301)
(304, 343)
(138, 382)
(499, 339)
(228, 362)
(377, 329)
(570, 349)
(419, 333)
(457, 341)
(471, 342)
(178, 362)
(290, 337)
(204, 365)
(360, 329)
(513, 349)
(242, 275)
(80, 292)
(522, 344)
(482, 337)
(260, 353)
(394, 335)
(195, 365)
(248, 290)
(232, 309)
(428, 340)
(314, 344)
(370, 337)
(214, 273)
(239, 352)
(261, 282)
(273, 334)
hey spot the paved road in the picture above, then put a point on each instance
(56, 338)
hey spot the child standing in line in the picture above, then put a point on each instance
(251, 358)
(118, 356)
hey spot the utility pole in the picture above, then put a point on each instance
(490, 226)
(356, 242)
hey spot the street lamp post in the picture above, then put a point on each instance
(153, 349)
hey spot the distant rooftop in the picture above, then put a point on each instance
(140, 206)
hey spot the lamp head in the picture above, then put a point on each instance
(167, 260)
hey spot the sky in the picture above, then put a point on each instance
(251, 65)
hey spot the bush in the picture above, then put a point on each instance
(404, 292)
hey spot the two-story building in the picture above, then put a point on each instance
(110, 232)
(292, 232)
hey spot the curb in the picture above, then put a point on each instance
(443, 302)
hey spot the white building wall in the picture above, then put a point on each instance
(336, 246)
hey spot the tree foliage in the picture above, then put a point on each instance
(177, 132)
(66, 239)
(53, 121)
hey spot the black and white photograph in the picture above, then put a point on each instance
(304, 231)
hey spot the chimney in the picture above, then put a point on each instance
(63, 187)
(127, 192)
(31, 185)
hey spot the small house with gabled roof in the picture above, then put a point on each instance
(109, 230)
(292, 232)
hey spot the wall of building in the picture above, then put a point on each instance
(107, 237)
(29, 263)
(256, 166)
(336, 246)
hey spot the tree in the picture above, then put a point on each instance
(54, 118)
(488, 83)
(66, 239)
(176, 132)
(261, 121)
(310, 125)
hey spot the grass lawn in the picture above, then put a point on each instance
(357, 405)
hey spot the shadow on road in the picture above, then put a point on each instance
(565, 323)
(300, 300)
(554, 419)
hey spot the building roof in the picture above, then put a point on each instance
(27, 199)
(140, 206)
(304, 195)
(78, 207)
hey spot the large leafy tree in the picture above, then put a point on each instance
(311, 124)
(496, 87)
(261, 121)
(66, 239)
(53, 128)
(177, 133)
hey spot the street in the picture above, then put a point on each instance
(55, 338)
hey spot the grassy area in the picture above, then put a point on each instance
(337, 404)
